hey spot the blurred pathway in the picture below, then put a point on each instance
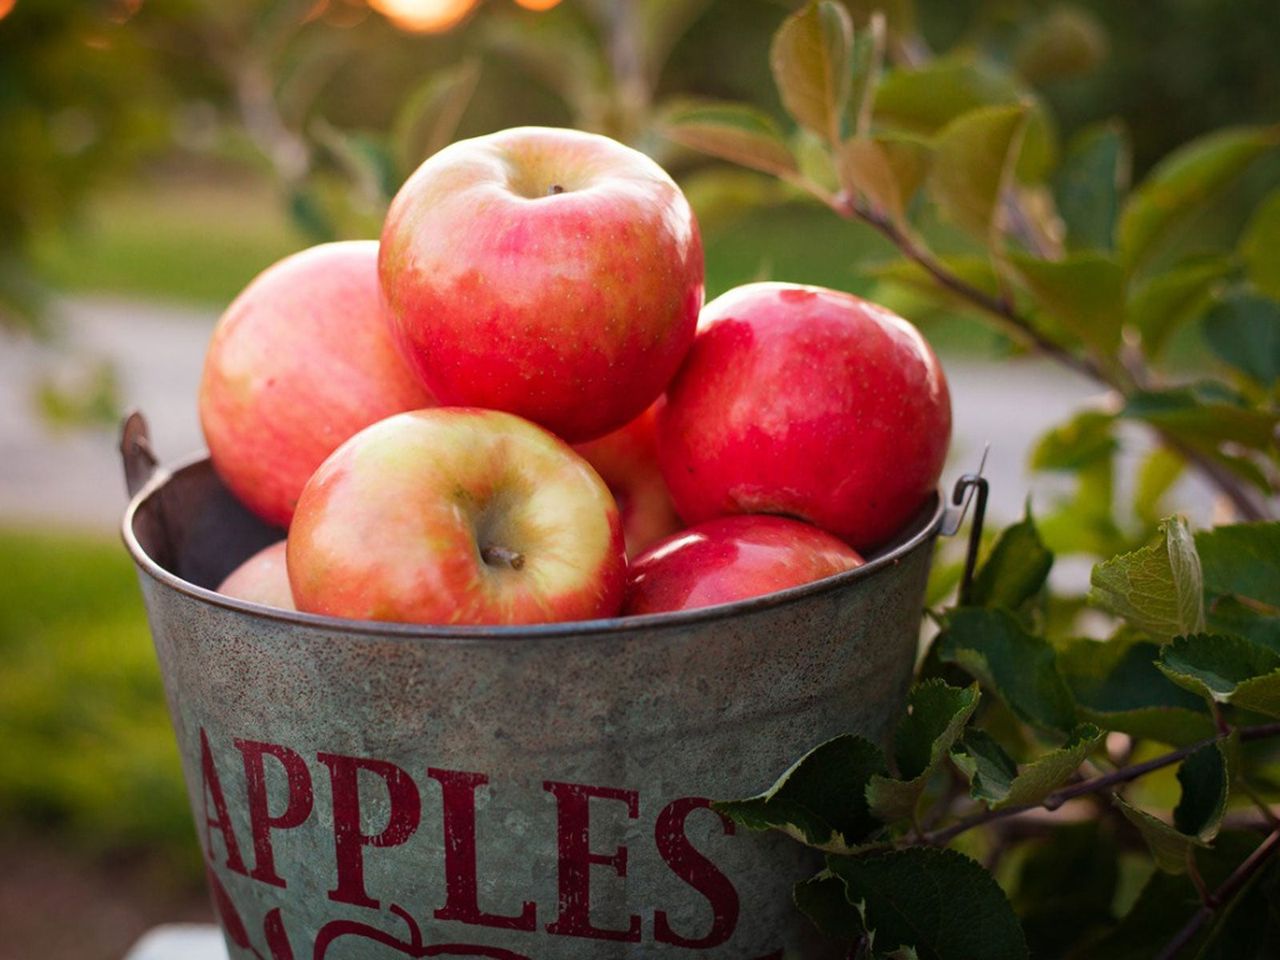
(74, 479)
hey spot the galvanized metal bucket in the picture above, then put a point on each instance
(374, 790)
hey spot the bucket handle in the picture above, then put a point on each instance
(141, 465)
(969, 488)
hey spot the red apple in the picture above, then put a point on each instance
(301, 360)
(627, 461)
(261, 579)
(550, 273)
(457, 516)
(732, 558)
(806, 402)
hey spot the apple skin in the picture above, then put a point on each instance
(732, 558)
(806, 402)
(301, 360)
(627, 461)
(262, 579)
(457, 516)
(572, 309)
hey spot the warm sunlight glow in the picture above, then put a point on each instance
(5, 7)
(537, 4)
(422, 16)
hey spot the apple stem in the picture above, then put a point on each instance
(497, 556)
(555, 188)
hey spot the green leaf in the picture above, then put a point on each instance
(1042, 776)
(1205, 779)
(1117, 685)
(1090, 186)
(821, 898)
(936, 716)
(1082, 441)
(811, 57)
(1015, 570)
(1204, 415)
(1084, 292)
(430, 116)
(999, 783)
(1016, 666)
(1169, 848)
(924, 99)
(1184, 183)
(1159, 588)
(821, 800)
(939, 903)
(1243, 329)
(1225, 670)
(973, 164)
(1229, 615)
(886, 171)
(1260, 246)
(991, 771)
(1067, 42)
(1158, 307)
(733, 132)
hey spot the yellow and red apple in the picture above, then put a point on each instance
(262, 579)
(457, 516)
(301, 360)
(550, 273)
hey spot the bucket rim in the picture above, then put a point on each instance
(928, 525)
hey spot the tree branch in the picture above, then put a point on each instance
(1094, 785)
(1220, 897)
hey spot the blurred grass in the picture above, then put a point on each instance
(88, 749)
(192, 240)
(200, 241)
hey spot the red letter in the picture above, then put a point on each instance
(698, 872)
(462, 898)
(212, 790)
(574, 816)
(404, 810)
(261, 822)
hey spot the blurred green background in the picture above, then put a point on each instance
(168, 150)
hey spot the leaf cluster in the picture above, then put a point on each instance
(1020, 759)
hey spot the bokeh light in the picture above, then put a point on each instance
(537, 4)
(6, 6)
(423, 16)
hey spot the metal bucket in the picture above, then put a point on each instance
(375, 790)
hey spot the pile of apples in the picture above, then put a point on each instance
(514, 407)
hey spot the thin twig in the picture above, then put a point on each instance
(1216, 900)
(1094, 785)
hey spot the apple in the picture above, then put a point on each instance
(627, 461)
(457, 516)
(301, 360)
(806, 402)
(261, 579)
(550, 273)
(732, 558)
